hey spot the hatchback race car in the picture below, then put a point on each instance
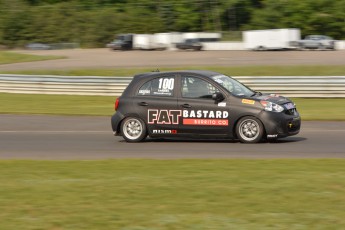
(200, 104)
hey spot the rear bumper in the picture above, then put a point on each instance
(116, 122)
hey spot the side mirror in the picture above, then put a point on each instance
(218, 97)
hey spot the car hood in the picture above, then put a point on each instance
(275, 98)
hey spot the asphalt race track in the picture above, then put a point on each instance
(83, 138)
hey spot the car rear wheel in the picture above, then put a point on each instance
(249, 130)
(133, 129)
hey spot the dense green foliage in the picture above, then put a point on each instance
(95, 22)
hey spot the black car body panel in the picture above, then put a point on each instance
(189, 44)
(163, 101)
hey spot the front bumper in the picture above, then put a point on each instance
(281, 124)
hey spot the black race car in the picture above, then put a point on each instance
(200, 104)
(189, 44)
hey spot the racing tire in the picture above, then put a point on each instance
(133, 129)
(249, 130)
(261, 48)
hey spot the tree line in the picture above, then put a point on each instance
(92, 23)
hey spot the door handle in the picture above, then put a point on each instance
(143, 103)
(186, 106)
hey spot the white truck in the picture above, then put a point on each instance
(169, 39)
(203, 36)
(158, 41)
(147, 42)
(272, 39)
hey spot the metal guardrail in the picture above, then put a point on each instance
(291, 86)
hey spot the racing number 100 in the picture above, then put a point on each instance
(166, 83)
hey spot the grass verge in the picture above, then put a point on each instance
(231, 71)
(9, 57)
(56, 104)
(310, 109)
(321, 108)
(177, 194)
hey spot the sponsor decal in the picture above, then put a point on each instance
(222, 104)
(246, 101)
(205, 114)
(155, 116)
(164, 131)
(205, 117)
(272, 136)
(289, 106)
(144, 91)
(165, 87)
(213, 122)
(189, 117)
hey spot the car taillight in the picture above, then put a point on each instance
(117, 103)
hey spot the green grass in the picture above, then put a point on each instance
(310, 109)
(56, 104)
(10, 57)
(321, 109)
(231, 71)
(176, 194)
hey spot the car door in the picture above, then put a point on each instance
(156, 104)
(201, 115)
(314, 42)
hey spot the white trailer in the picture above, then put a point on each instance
(272, 39)
(147, 42)
(162, 41)
(203, 36)
(169, 39)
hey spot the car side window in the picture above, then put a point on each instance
(163, 86)
(193, 87)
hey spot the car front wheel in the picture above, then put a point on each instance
(133, 129)
(249, 130)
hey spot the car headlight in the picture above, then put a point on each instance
(272, 107)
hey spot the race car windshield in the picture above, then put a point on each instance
(233, 86)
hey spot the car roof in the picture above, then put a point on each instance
(318, 36)
(205, 73)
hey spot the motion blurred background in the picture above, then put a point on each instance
(93, 23)
(138, 194)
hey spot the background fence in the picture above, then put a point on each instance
(292, 86)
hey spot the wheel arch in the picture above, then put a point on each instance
(118, 130)
(134, 129)
(246, 115)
